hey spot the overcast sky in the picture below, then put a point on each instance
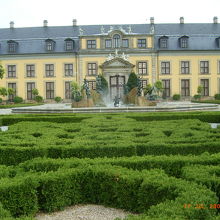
(29, 13)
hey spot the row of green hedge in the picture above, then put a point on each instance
(71, 118)
(172, 164)
(150, 191)
(206, 174)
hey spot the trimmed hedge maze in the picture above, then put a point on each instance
(160, 166)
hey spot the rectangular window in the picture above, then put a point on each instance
(184, 42)
(142, 68)
(143, 84)
(92, 85)
(125, 43)
(166, 88)
(92, 69)
(142, 43)
(205, 85)
(108, 43)
(163, 43)
(11, 71)
(68, 69)
(91, 44)
(185, 87)
(49, 70)
(49, 90)
(30, 70)
(30, 87)
(68, 94)
(165, 67)
(12, 47)
(69, 45)
(184, 67)
(204, 67)
(14, 87)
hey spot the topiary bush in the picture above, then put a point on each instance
(197, 97)
(58, 99)
(18, 99)
(38, 98)
(217, 96)
(176, 97)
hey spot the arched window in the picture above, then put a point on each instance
(116, 41)
(183, 42)
(69, 44)
(50, 45)
(163, 42)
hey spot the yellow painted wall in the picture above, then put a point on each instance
(40, 79)
(194, 75)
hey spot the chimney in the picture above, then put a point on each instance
(45, 23)
(152, 20)
(74, 22)
(12, 24)
(181, 20)
(215, 20)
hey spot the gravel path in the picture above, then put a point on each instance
(85, 212)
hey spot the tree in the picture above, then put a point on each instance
(159, 86)
(2, 72)
(76, 92)
(199, 89)
(35, 92)
(132, 81)
(11, 91)
(3, 91)
(101, 85)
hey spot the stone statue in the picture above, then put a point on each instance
(81, 31)
(86, 87)
(116, 101)
(129, 29)
(102, 30)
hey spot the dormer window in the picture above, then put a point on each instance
(183, 42)
(50, 45)
(218, 42)
(163, 42)
(12, 46)
(69, 44)
(116, 41)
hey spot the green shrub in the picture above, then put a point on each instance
(38, 98)
(1, 100)
(197, 97)
(19, 196)
(4, 213)
(58, 99)
(176, 97)
(217, 96)
(18, 99)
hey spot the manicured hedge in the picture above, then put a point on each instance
(19, 196)
(172, 165)
(212, 117)
(206, 174)
(150, 191)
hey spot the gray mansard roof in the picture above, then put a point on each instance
(32, 40)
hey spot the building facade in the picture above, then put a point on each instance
(183, 56)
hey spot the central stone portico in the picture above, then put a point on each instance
(116, 70)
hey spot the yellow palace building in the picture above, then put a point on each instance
(183, 56)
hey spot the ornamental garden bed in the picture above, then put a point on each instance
(141, 163)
